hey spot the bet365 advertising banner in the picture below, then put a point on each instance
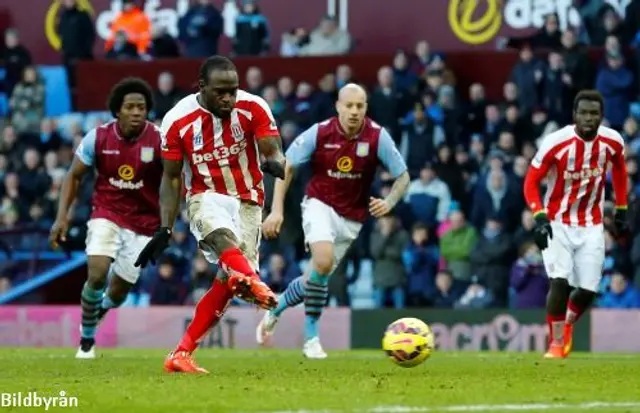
(380, 26)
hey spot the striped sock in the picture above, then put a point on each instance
(315, 298)
(292, 296)
(90, 300)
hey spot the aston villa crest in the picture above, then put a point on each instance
(146, 154)
(362, 149)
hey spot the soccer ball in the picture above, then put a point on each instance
(408, 342)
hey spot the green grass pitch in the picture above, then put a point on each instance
(353, 381)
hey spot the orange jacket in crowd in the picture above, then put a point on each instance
(136, 25)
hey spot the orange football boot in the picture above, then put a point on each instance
(568, 338)
(253, 290)
(182, 362)
(556, 351)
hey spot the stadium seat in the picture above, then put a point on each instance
(58, 95)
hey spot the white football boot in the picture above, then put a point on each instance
(86, 351)
(312, 349)
(265, 329)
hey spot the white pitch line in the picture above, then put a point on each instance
(479, 408)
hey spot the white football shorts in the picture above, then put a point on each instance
(209, 211)
(320, 222)
(107, 239)
(576, 254)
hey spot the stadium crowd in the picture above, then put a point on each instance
(462, 238)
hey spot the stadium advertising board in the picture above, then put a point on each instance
(447, 24)
(468, 330)
(49, 326)
(161, 327)
(615, 330)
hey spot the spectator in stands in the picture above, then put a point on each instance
(577, 66)
(344, 75)
(447, 290)
(477, 296)
(611, 46)
(293, 41)
(540, 126)
(49, 139)
(403, 77)
(419, 141)
(52, 166)
(168, 287)
(548, 37)
(252, 31)
(15, 58)
(302, 109)
(253, 80)
(616, 83)
(279, 272)
(420, 259)
(134, 24)
(122, 49)
(202, 276)
(166, 95)
(610, 24)
(387, 243)
(475, 111)
(273, 99)
(456, 245)
(423, 58)
(27, 102)
(616, 258)
(620, 295)
(77, 36)
(286, 90)
(200, 29)
(34, 181)
(386, 103)
(527, 75)
(556, 90)
(429, 196)
(325, 97)
(163, 45)
(491, 259)
(11, 195)
(328, 39)
(451, 174)
(497, 199)
(510, 96)
(529, 279)
(11, 147)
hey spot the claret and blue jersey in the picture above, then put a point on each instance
(344, 169)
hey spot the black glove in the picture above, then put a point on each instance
(620, 221)
(154, 248)
(274, 168)
(542, 232)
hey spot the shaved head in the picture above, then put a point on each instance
(351, 107)
(351, 91)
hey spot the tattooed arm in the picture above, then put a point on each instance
(398, 189)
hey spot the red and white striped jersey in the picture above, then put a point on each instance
(576, 170)
(220, 155)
